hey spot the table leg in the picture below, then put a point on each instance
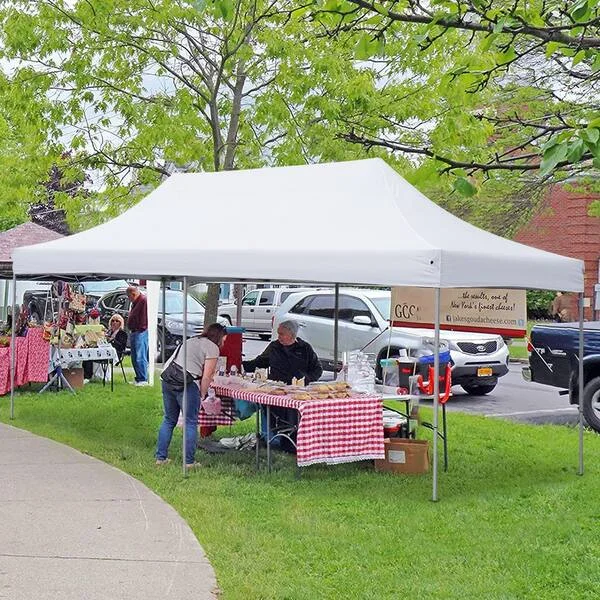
(268, 438)
(112, 376)
(258, 438)
(60, 380)
(445, 430)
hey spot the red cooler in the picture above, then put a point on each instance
(232, 348)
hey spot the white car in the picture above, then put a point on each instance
(478, 359)
(258, 309)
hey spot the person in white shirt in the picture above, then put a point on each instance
(202, 353)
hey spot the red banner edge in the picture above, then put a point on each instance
(512, 333)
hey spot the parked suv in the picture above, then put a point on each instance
(478, 358)
(118, 302)
(258, 308)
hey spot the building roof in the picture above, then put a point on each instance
(26, 234)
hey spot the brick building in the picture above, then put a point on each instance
(562, 225)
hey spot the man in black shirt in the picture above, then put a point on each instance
(286, 357)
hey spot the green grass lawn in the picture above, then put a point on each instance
(514, 520)
(518, 349)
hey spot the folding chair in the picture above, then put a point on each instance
(105, 367)
(119, 363)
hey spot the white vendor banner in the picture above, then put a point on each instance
(487, 310)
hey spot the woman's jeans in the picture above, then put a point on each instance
(138, 341)
(172, 402)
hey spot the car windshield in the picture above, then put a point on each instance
(175, 303)
(101, 287)
(383, 306)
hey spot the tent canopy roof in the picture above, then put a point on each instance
(356, 222)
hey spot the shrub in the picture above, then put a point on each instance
(538, 304)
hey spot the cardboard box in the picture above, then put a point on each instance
(404, 456)
(74, 377)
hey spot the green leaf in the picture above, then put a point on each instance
(499, 25)
(508, 56)
(487, 42)
(590, 135)
(225, 8)
(365, 47)
(576, 151)
(580, 11)
(596, 63)
(464, 187)
(551, 48)
(594, 123)
(550, 143)
(553, 156)
(578, 57)
(594, 207)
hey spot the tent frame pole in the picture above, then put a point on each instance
(163, 352)
(184, 405)
(436, 392)
(336, 316)
(580, 383)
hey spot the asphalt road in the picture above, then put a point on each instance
(513, 398)
(516, 399)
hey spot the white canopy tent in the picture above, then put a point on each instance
(355, 222)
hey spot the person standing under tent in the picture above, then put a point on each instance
(287, 357)
(137, 324)
(202, 353)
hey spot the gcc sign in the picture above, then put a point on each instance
(405, 311)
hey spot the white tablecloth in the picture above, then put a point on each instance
(67, 356)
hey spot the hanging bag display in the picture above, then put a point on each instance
(77, 302)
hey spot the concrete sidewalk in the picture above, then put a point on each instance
(75, 528)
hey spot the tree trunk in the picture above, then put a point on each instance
(238, 291)
(212, 304)
(212, 297)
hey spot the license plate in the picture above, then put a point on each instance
(484, 372)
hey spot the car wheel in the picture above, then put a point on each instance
(478, 390)
(591, 403)
(227, 318)
(159, 350)
(264, 336)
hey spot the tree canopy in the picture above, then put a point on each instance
(448, 91)
(138, 89)
(533, 67)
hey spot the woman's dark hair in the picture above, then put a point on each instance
(215, 333)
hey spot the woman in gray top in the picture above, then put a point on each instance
(202, 354)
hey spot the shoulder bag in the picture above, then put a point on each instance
(172, 375)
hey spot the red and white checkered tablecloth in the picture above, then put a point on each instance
(330, 431)
(224, 418)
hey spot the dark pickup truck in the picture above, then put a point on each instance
(554, 360)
